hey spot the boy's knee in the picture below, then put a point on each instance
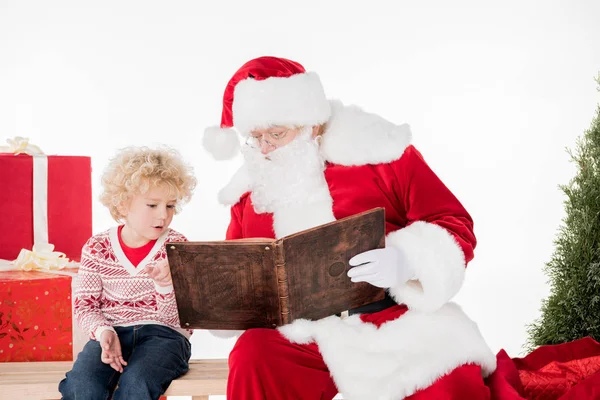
(137, 384)
(75, 386)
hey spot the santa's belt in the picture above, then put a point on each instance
(380, 305)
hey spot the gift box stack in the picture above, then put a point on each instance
(44, 201)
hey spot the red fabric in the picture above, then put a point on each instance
(569, 371)
(462, 383)
(505, 383)
(389, 314)
(265, 365)
(69, 204)
(260, 68)
(566, 371)
(135, 254)
(407, 188)
(35, 317)
(409, 191)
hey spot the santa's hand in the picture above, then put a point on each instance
(383, 268)
(160, 273)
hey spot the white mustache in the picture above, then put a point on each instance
(286, 175)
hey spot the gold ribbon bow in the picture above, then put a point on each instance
(20, 145)
(42, 257)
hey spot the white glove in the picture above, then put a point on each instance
(383, 268)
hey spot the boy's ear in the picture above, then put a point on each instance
(123, 209)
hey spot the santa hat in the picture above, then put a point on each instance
(266, 91)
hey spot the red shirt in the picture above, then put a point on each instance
(135, 254)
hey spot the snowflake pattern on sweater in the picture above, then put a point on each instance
(113, 292)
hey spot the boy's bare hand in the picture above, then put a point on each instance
(160, 273)
(111, 350)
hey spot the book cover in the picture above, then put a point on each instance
(265, 283)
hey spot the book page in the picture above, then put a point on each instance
(252, 240)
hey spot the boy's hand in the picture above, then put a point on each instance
(160, 273)
(111, 350)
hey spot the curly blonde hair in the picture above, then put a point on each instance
(136, 170)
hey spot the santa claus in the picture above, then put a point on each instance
(308, 161)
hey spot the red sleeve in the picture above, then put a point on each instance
(438, 239)
(426, 198)
(234, 230)
(89, 292)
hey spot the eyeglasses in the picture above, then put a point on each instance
(273, 139)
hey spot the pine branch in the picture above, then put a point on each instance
(572, 310)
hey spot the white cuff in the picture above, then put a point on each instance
(163, 289)
(438, 263)
(100, 329)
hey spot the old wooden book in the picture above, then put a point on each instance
(267, 283)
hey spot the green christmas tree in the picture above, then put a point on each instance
(572, 310)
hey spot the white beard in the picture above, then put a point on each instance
(285, 176)
(290, 183)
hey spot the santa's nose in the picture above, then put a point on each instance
(265, 147)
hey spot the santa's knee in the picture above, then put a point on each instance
(253, 347)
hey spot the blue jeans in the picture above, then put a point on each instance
(155, 355)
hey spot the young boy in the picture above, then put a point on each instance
(127, 308)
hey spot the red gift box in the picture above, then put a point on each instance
(35, 317)
(69, 204)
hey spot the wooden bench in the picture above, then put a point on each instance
(39, 380)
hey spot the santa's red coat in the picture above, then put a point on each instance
(433, 350)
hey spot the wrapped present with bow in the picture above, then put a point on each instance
(46, 218)
(36, 322)
(45, 199)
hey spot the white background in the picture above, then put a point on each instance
(494, 93)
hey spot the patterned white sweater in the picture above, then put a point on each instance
(113, 292)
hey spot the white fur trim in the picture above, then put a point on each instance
(313, 209)
(297, 100)
(237, 186)
(301, 331)
(398, 359)
(356, 137)
(221, 143)
(437, 260)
